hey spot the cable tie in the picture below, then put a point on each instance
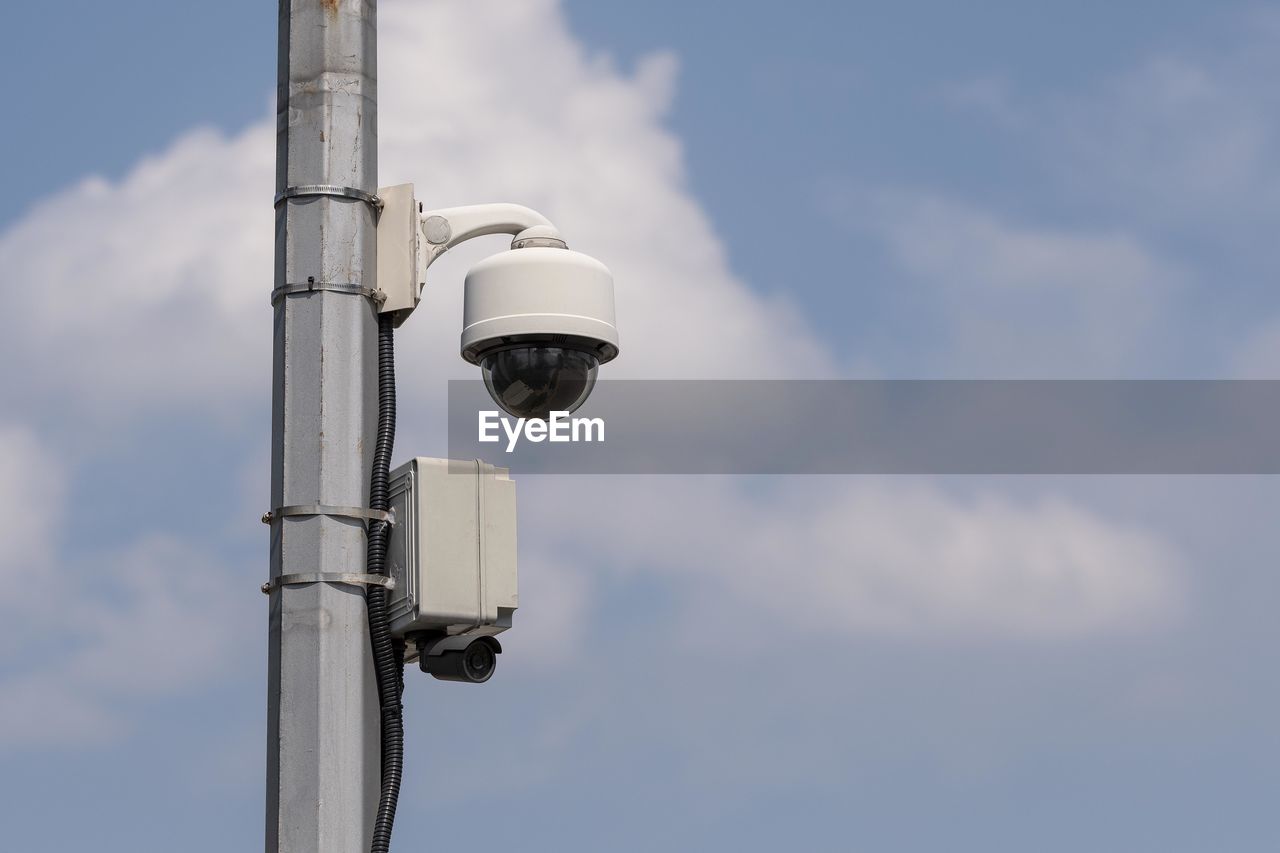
(314, 190)
(327, 577)
(357, 512)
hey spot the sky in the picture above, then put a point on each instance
(1006, 190)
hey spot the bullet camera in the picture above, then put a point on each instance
(471, 660)
(538, 319)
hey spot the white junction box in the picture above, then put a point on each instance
(453, 548)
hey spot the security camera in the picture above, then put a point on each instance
(538, 319)
(471, 660)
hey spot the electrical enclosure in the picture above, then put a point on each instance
(453, 547)
(399, 278)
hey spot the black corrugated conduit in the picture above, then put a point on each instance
(388, 653)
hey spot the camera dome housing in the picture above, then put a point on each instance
(539, 321)
(532, 380)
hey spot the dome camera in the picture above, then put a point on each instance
(539, 321)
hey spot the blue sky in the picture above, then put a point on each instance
(1013, 189)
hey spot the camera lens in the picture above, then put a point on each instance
(534, 381)
(478, 661)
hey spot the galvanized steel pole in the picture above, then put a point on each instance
(322, 711)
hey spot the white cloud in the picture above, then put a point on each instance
(990, 95)
(32, 486)
(1176, 153)
(590, 148)
(152, 290)
(556, 595)
(846, 556)
(1180, 140)
(151, 620)
(149, 294)
(1183, 137)
(1017, 300)
(1258, 356)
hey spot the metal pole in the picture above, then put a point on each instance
(322, 711)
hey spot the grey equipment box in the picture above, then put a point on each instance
(453, 548)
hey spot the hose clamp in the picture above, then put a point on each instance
(356, 512)
(328, 577)
(314, 190)
(311, 285)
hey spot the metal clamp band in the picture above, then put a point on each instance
(360, 512)
(328, 577)
(337, 287)
(311, 190)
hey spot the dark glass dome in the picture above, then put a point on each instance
(534, 381)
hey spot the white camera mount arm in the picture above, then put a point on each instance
(446, 228)
(410, 240)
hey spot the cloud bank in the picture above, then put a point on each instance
(149, 295)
